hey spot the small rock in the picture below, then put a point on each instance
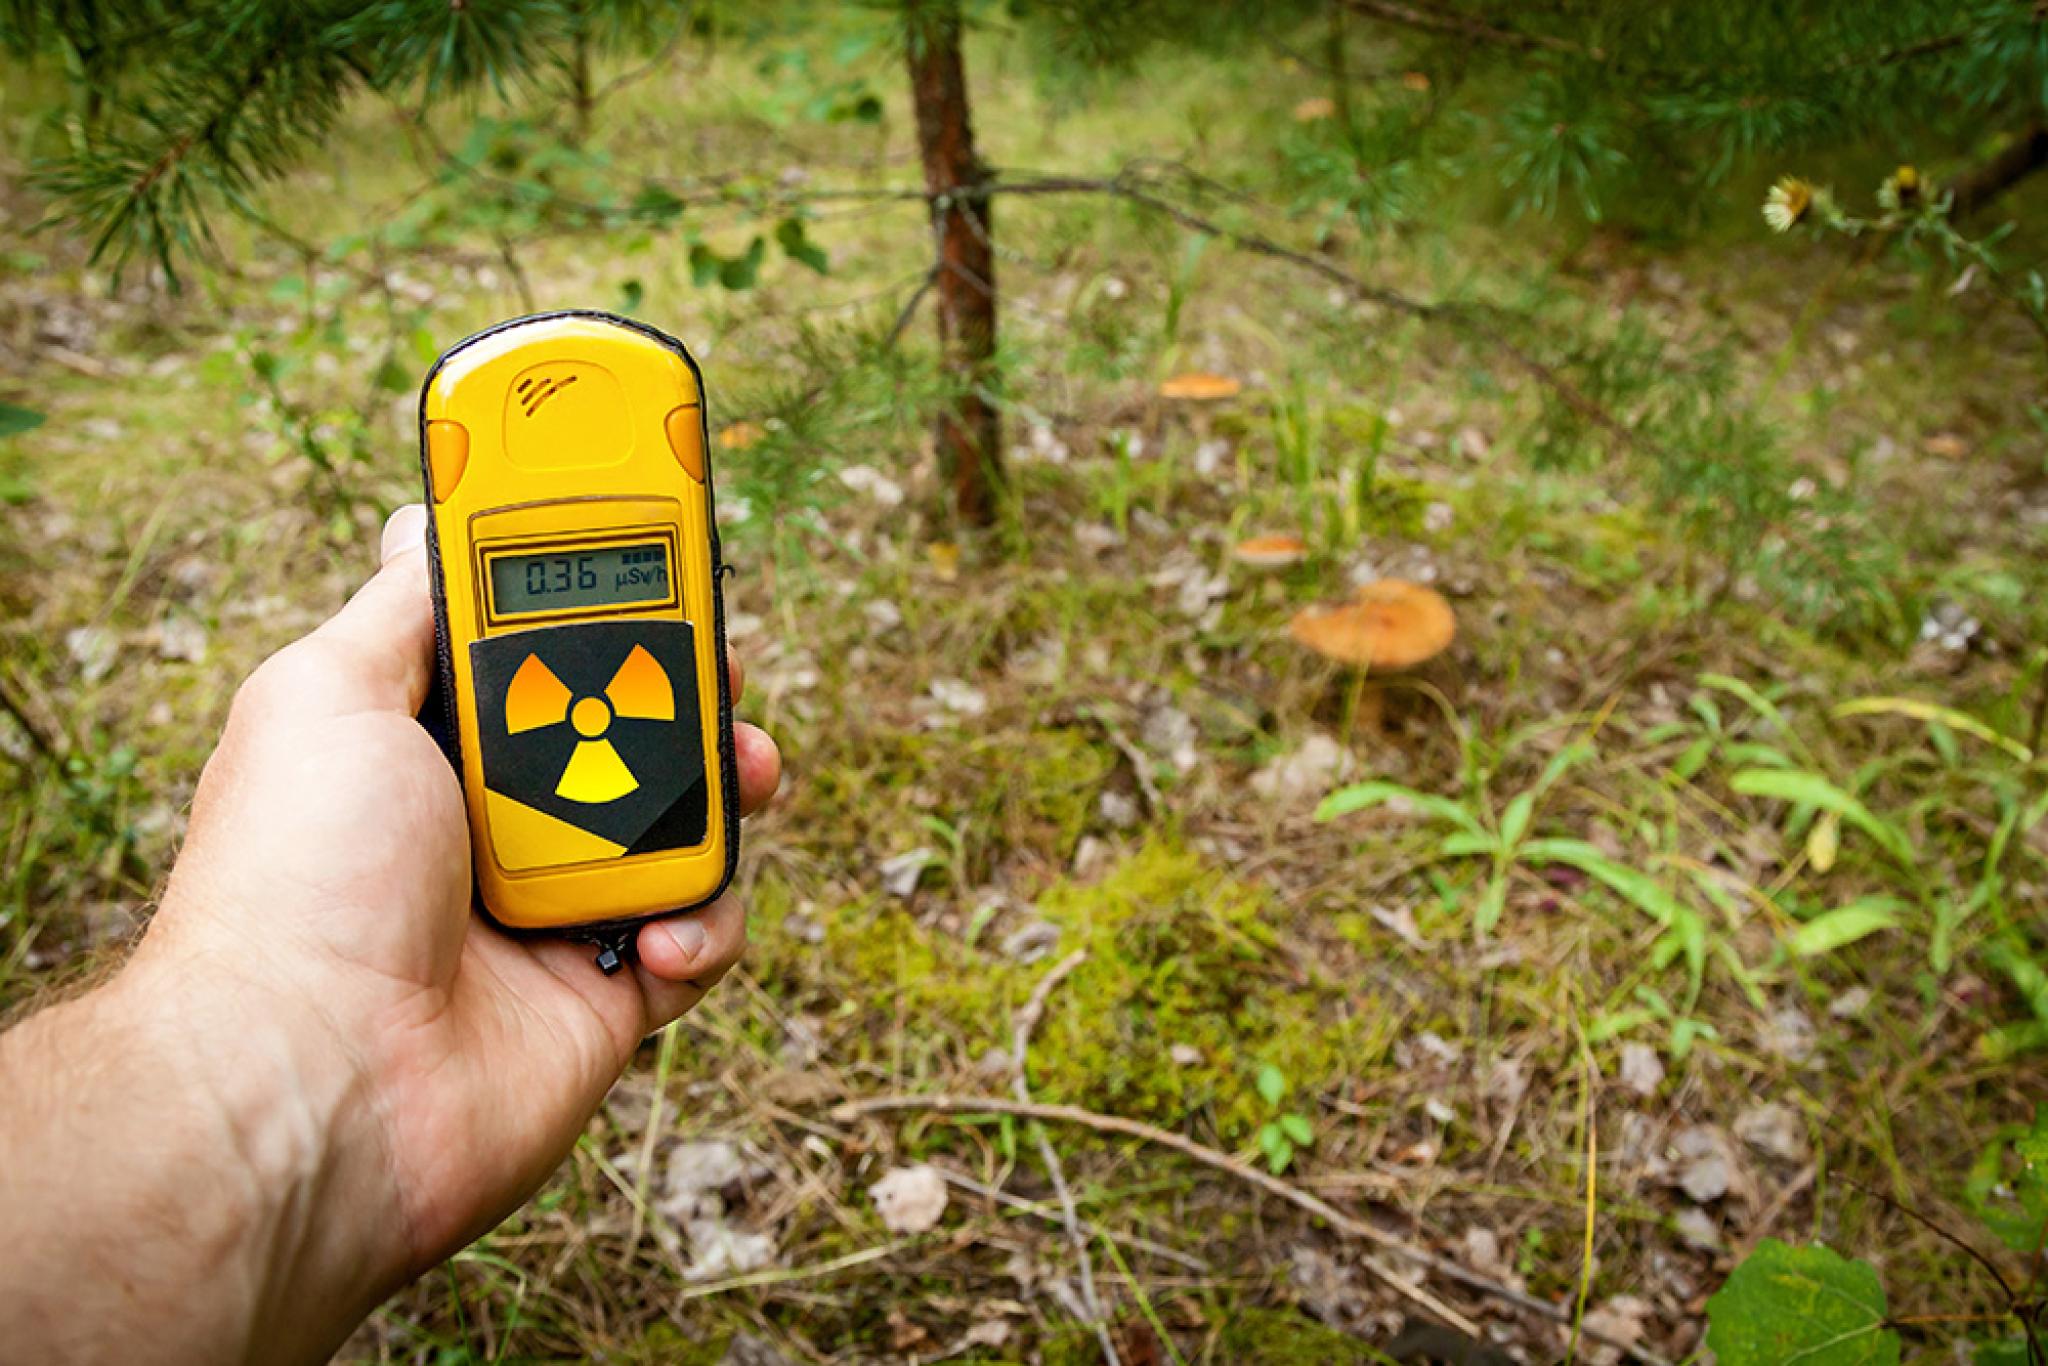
(1642, 1071)
(910, 1199)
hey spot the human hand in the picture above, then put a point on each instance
(392, 1074)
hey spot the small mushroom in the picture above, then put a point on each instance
(1388, 624)
(1200, 387)
(1270, 552)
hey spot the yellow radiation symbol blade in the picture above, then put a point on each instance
(640, 689)
(596, 774)
(536, 698)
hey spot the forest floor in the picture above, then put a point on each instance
(1088, 733)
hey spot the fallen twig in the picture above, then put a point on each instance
(1020, 1050)
(1347, 1224)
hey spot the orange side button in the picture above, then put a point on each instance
(447, 456)
(686, 438)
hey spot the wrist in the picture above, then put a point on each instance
(233, 1202)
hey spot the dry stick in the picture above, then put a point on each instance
(1020, 1036)
(1294, 1195)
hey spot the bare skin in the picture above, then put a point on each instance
(320, 1073)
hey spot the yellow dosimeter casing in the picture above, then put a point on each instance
(581, 623)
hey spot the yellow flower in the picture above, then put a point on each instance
(1902, 189)
(1789, 201)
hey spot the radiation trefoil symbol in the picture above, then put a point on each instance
(598, 725)
(596, 773)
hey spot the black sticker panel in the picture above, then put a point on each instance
(597, 725)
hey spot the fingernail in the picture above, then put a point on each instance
(405, 529)
(688, 935)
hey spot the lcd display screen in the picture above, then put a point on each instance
(570, 579)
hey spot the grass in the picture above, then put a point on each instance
(1227, 930)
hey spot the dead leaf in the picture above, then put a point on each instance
(1200, 386)
(1642, 1071)
(739, 436)
(1306, 774)
(872, 482)
(1706, 1162)
(900, 873)
(93, 649)
(910, 1199)
(1773, 1129)
(945, 560)
(1622, 1318)
(1947, 445)
(1314, 109)
(1414, 80)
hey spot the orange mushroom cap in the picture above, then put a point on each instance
(1270, 552)
(1198, 385)
(1388, 624)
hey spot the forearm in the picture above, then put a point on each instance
(220, 1205)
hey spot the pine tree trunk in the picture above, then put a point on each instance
(969, 433)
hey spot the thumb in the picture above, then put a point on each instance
(385, 633)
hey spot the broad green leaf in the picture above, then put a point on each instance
(16, 420)
(1846, 924)
(1811, 789)
(1514, 821)
(1800, 1306)
(1466, 844)
(1632, 885)
(1492, 902)
(1360, 796)
(797, 245)
(1931, 713)
(1296, 1127)
(1272, 1084)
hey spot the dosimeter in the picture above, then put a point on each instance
(580, 624)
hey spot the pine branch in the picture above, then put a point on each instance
(1443, 21)
(2025, 154)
